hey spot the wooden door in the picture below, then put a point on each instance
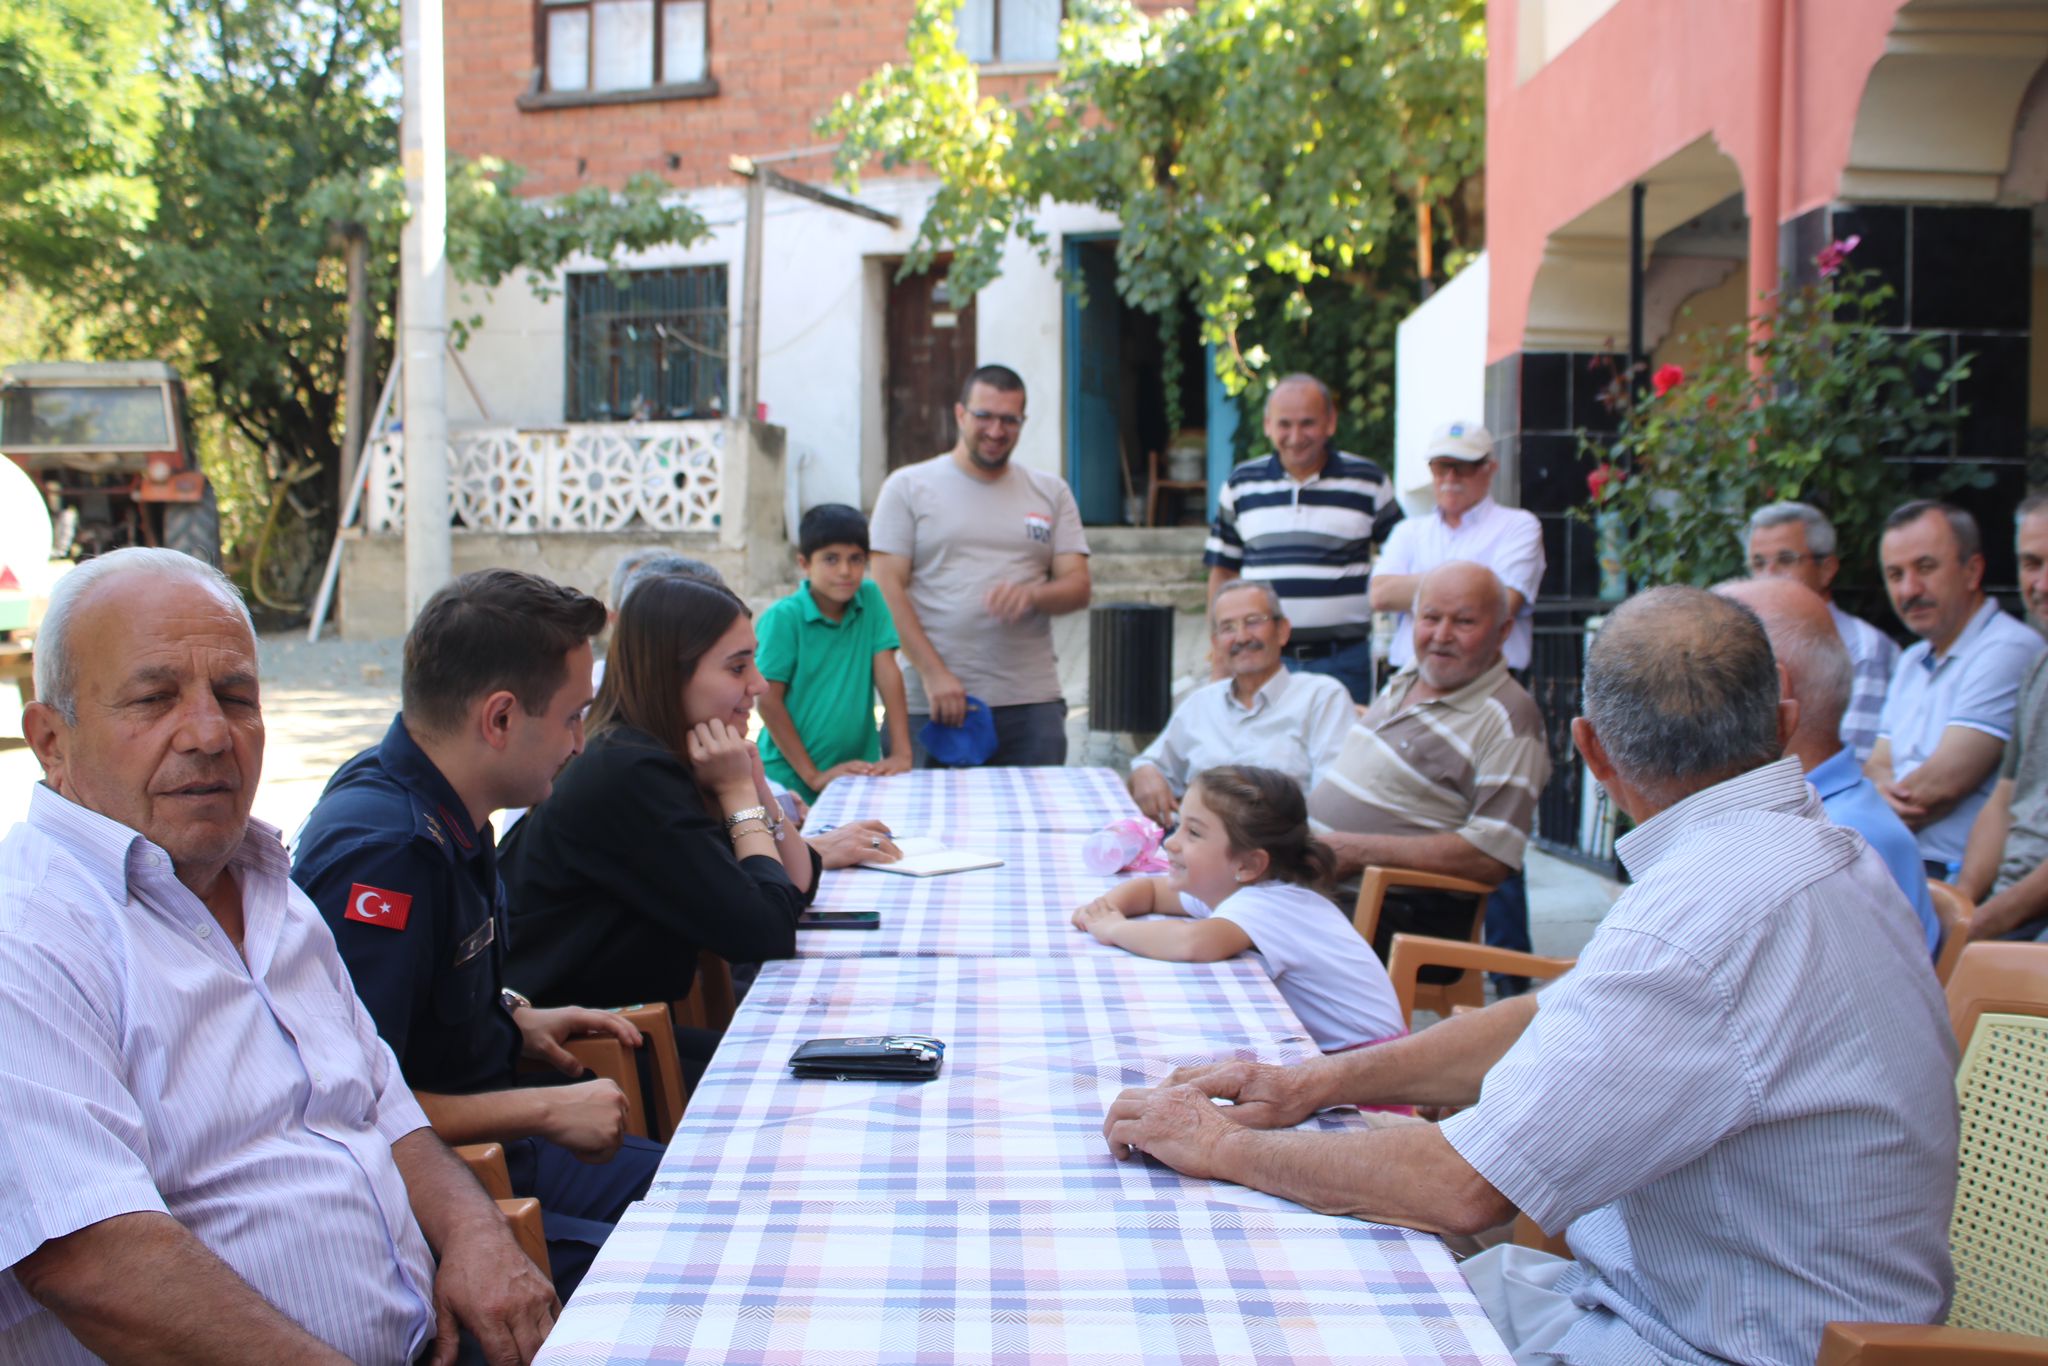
(931, 351)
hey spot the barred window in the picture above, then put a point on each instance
(651, 345)
(600, 45)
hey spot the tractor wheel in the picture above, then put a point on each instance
(195, 527)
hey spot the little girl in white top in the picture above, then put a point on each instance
(1244, 867)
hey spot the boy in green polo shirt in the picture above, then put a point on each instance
(824, 650)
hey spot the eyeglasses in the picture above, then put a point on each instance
(1239, 625)
(1784, 559)
(1010, 420)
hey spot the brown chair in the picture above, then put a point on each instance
(486, 1161)
(666, 1097)
(711, 1002)
(1407, 957)
(1155, 485)
(1374, 884)
(613, 1061)
(1953, 910)
(1998, 1006)
(1412, 952)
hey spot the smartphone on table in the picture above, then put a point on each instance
(839, 920)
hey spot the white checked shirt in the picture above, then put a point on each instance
(144, 1066)
(1742, 1100)
(1296, 724)
(1508, 541)
(1873, 655)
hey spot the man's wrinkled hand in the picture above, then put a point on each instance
(1263, 1096)
(543, 1033)
(588, 1118)
(1178, 1125)
(488, 1285)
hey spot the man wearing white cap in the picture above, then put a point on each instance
(1467, 525)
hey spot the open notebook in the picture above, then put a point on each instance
(924, 856)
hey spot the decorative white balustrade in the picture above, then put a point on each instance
(587, 477)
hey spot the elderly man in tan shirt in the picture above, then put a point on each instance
(1443, 770)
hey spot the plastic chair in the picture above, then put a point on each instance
(1953, 910)
(1998, 1005)
(1374, 884)
(613, 1061)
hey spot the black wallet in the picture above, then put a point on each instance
(883, 1057)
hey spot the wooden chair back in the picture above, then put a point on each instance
(711, 1002)
(612, 1060)
(1411, 952)
(1373, 885)
(1953, 910)
(667, 1097)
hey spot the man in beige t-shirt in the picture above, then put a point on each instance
(975, 556)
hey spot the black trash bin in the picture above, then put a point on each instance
(1130, 667)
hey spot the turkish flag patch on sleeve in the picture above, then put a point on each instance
(375, 906)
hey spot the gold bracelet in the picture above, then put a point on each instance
(733, 832)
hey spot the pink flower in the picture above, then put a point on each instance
(1601, 480)
(1667, 378)
(1835, 255)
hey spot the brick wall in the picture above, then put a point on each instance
(778, 65)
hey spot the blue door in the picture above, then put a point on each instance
(1222, 430)
(1092, 345)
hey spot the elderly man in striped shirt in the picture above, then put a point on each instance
(1443, 770)
(207, 1155)
(1740, 1105)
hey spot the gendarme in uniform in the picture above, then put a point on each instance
(411, 891)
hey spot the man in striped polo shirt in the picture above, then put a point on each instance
(1443, 770)
(1306, 519)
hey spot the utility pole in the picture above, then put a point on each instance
(423, 305)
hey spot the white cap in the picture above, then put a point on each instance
(1460, 441)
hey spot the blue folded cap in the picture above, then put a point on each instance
(964, 745)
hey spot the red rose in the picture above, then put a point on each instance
(1602, 479)
(1667, 378)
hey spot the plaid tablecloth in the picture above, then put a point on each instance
(947, 802)
(1023, 909)
(1035, 1053)
(788, 1282)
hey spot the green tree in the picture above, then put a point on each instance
(281, 123)
(79, 104)
(1271, 161)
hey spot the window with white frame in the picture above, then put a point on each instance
(603, 45)
(1011, 32)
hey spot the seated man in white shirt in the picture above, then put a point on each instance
(210, 1156)
(1750, 1058)
(1259, 713)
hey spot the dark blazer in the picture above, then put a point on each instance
(625, 872)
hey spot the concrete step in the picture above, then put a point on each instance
(1186, 596)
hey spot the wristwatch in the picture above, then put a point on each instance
(748, 813)
(512, 1000)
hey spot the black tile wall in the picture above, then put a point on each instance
(1971, 269)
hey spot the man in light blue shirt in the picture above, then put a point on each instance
(1819, 674)
(1950, 708)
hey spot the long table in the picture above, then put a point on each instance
(980, 1217)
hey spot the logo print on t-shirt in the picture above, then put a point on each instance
(1038, 527)
(375, 906)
